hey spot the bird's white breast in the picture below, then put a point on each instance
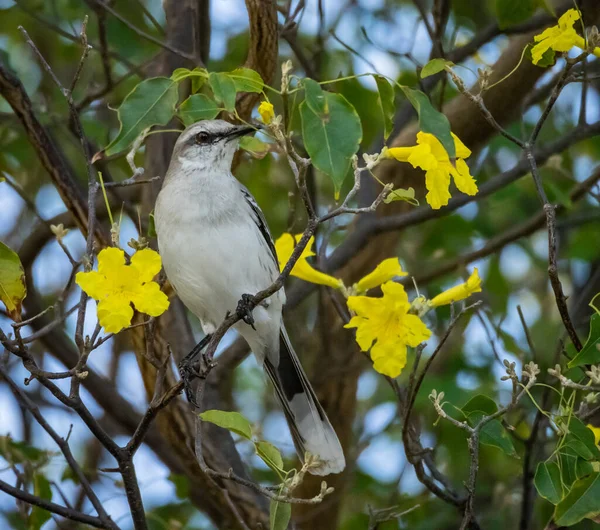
(213, 252)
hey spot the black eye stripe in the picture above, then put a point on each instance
(211, 138)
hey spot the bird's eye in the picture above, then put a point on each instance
(202, 137)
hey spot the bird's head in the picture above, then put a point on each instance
(209, 144)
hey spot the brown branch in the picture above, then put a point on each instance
(366, 232)
(262, 49)
(122, 455)
(51, 158)
(526, 228)
(368, 246)
(52, 507)
(104, 55)
(63, 445)
(549, 209)
(188, 29)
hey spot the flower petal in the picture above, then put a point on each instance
(109, 260)
(462, 151)
(399, 153)
(463, 179)
(305, 272)
(387, 270)
(414, 330)
(147, 262)
(284, 246)
(390, 366)
(437, 182)
(150, 299)
(389, 359)
(568, 18)
(596, 431)
(386, 323)
(422, 156)
(435, 146)
(93, 283)
(395, 295)
(560, 38)
(114, 313)
(365, 333)
(459, 292)
(266, 111)
(366, 306)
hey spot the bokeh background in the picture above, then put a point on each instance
(340, 38)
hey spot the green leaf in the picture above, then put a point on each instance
(223, 89)
(198, 76)
(152, 102)
(385, 99)
(547, 5)
(495, 435)
(401, 194)
(280, 514)
(492, 433)
(480, 403)
(558, 194)
(511, 12)
(179, 74)
(19, 452)
(197, 107)
(434, 66)
(589, 354)
(583, 468)
(548, 482)
(41, 488)
(270, 455)
(182, 485)
(430, 120)
(257, 148)
(580, 503)
(568, 465)
(12, 282)
(232, 421)
(581, 439)
(247, 80)
(548, 57)
(331, 131)
(171, 516)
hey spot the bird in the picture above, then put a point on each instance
(216, 248)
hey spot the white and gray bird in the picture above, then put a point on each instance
(216, 246)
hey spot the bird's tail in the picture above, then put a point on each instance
(310, 428)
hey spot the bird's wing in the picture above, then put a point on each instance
(261, 223)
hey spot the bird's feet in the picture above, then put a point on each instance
(244, 309)
(188, 369)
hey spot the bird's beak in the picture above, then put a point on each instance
(241, 130)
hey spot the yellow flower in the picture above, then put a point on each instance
(560, 38)
(265, 109)
(387, 270)
(459, 292)
(429, 154)
(386, 323)
(302, 269)
(596, 431)
(116, 285)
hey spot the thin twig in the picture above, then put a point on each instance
(63, 445)
(52, 507)
(100, 3)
